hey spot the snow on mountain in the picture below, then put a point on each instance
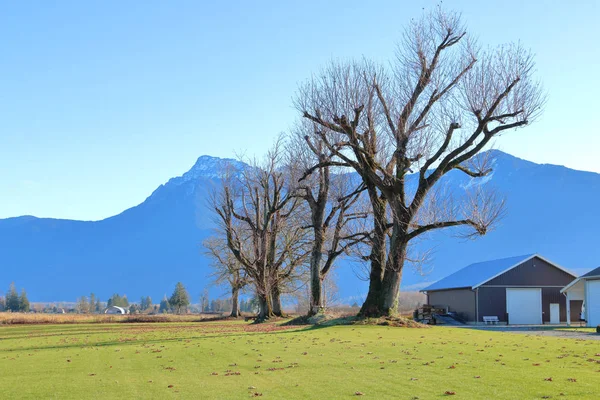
(145, 250)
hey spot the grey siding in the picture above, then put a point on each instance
(461, 301)
(533, 273)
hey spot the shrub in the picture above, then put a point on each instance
(598, 329)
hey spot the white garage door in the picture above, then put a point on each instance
(524, 306)
(593, 303)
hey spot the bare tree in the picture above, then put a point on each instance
(330, 200)
(227, 269)
(433, 111)
(259, 215)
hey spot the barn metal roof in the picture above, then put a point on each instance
(594, 272)
(479, 273)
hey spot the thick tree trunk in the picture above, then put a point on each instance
(316, 281)
(265, 311)
(372, 305)
(235, 308)
(276, 302)
(390, 289)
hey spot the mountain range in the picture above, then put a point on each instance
(551, 210)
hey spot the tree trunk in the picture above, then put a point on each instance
(235, 308)
(276, 301)
(316, 281)
(390, 289)
(265, 311)
(372, 305)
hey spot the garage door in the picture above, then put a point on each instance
(524, 306)
(593, 303)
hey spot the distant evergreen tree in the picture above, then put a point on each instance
(134, 309)
(145, 303)
(2, 303)
(164, 306)
(253, 304)
(23, 302)
(98, 306)
(12, 298)
(118, 301)
(180, 298)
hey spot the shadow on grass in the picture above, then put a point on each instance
(162, 340)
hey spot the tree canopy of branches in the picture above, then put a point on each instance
(261, 221)
(331, 202)
(440, 103)
(227, 269)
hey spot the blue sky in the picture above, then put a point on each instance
(102, 101)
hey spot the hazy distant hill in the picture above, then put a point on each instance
(145, 250)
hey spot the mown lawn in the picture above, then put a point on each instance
(231, 360)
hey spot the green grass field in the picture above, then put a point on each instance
(235, 360)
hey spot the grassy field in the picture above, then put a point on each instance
(236, 360)
(8, 318)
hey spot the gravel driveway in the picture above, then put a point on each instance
(573, 333)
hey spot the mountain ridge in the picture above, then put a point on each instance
(147, 248)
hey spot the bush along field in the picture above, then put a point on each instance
(238, 360)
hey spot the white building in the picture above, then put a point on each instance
(586, 288)
(116, 310)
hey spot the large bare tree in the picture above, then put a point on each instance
(440, 103)
(259, 216)
(331, 199)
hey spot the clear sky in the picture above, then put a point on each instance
(103, 101)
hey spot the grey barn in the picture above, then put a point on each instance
(516, 290)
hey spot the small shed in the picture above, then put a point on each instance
(522, 290)
(116, 310)
(586, 289)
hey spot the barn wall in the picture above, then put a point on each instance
(553, 295)
(492, 302)
(576, 306)
(461, 301)
(533, 273)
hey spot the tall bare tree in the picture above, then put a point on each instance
(441, 102)
(331, 204)
(227, 269)
(258, 215)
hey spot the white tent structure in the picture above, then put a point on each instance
(586, 288)
(116, 310)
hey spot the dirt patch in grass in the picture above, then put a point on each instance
(400, 322)
(327, 320)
